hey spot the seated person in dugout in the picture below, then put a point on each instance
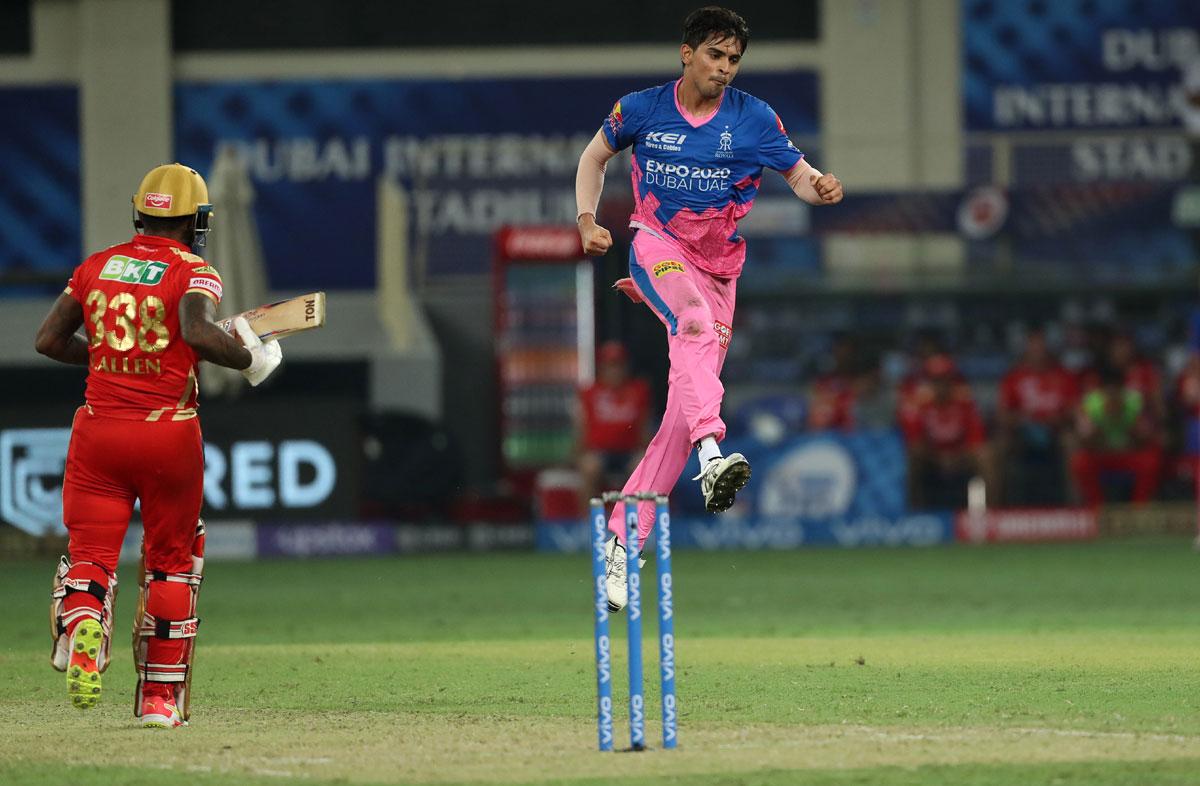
(947, 444)
(614, 415)
(1034, 419)
(1116, 434)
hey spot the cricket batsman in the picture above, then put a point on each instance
(699, 149)
(147, 307)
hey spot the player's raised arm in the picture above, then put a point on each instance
(589, 183)
(57, 339)
(254, 358)
(812, 186)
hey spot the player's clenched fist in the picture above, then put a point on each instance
(264, 355)
(828, 187)
(596, 239)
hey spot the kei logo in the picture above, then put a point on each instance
(31, 470)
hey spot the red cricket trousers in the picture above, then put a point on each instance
(1143, 464)
(113, 462)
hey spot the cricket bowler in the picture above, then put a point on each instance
(699, 149)
(147, 307)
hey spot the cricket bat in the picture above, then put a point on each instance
(276, 320)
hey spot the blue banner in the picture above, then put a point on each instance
(1101, 64)
(826, 489)
(39, 192)
(723, 532)
(472, 154)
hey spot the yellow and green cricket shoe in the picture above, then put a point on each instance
(83, 675)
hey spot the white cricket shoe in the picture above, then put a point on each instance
(614, 574)
(616, 579)
(721, 480)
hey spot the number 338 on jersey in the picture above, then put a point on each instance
(130, 294)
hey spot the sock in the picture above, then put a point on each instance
(708, 451)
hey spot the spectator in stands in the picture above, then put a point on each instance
(916, 389)
(831, 397)
(614, 422)
(1185, 424)
(947, 443)
(1034, 418)
(1116, 434)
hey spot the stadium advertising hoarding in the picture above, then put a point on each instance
(1108, 64)
(472, 155)
(1026, 525)
(263, 461)
(1108, 71)
(814, 490)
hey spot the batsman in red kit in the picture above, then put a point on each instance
(147, 307)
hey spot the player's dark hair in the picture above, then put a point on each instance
(713, 21)
(165, 226)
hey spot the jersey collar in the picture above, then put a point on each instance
(693, 120)
(163, 242)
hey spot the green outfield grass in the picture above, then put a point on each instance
(1003, 665)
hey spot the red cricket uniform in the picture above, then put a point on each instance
(1044, 396)
(613, 416)
(947, 426)
(831, 405)
(137, 437)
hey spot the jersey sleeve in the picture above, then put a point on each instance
(75, 284)
(203, 278)
(775, 150)
(621, 126)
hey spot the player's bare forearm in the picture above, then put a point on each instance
(812, 186)
(57, 339)
(197, 314)
(589, 183)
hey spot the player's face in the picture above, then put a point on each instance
(712, 65)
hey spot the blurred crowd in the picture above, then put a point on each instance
(1081, 416)
(1097, 422)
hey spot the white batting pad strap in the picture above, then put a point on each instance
(168, 629)
(164, 672)
(193, 579)
(70, 617)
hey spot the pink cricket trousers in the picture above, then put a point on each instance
(697, 310)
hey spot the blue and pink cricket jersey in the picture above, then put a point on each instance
(694, 178)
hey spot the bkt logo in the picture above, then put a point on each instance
(666, 137)
(31, 470)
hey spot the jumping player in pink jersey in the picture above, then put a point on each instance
(699, 148)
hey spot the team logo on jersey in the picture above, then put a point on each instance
(667, 266)
(157, 201)
(725, 144)
(133, 271)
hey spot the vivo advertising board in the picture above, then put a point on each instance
(813, 490)
(472, 155)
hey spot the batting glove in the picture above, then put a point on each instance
(264, 356)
